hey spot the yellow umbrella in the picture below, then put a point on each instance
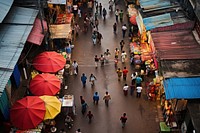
(52, 105)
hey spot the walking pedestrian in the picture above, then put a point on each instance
(92, 79)
(96, 98)
(125, 72)
(117, 15)
(82, 100)
(96, 60)
(125, 89)
(85, 26)
(139, 91)
(90, 6)
(116, 53)
(78, 131)
(123, 55)
(68, 50)
(123, 119)
(84, 108)
(107, 55)
(115, 28)
(138, 81)
(79, 13)
(107, 98)
(90, 116)
(100, 8)
(77, 29)
(133, 78)
(96, 22)
(119, 74)
(83, 79)
(121, 15)
(104, 14)
(122, 43)
(102, 60)
(111, 3)
(94, 38)
(99, 37)
(75, 67)
(124, 29)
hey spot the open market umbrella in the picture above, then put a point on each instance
(52, 105)
(49, 62)
(133, 20)
(27, 112)
(45, 84)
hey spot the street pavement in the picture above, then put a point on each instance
(142, 114)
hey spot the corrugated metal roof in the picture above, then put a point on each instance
(180, 68)
(158, 21)
(174, 45)
(149, 4)
(21, 15)
(5, 6)
(12, 40)
(182, 88)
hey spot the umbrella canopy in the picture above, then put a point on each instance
(28, 112)
(52, 105)
(49, 62)
(45, 84)
(133, 20)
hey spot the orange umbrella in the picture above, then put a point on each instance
(133, 20)
(49, 62)
(28, 112)
(45, 84)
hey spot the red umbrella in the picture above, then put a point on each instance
(49, 62)
(133, 20)
(45, 84)
(28, 112)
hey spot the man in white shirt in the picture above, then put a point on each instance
(139, 91)
(124, 29)
(125, 89)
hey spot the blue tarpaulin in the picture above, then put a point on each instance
(150, 4)
(158, 21)
(182, 88)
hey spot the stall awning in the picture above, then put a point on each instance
(36, 36)
(60, 31)
(13, 38)
(182, 88)
(56, 1)
(5, 6)
(158, 21)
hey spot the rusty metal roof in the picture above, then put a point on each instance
(173, 45)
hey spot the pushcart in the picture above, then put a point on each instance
(68, 105)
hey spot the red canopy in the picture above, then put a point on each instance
(133, 20)
(45, 84)
(49, 62)
(28, 112)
